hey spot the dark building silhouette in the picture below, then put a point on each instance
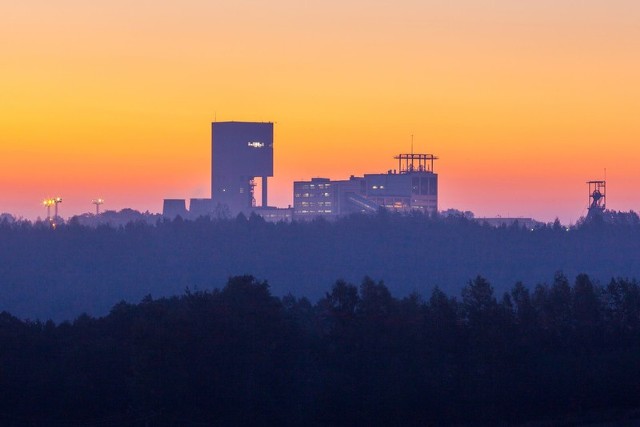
(173, 208)
(241, 151)
(201, 207)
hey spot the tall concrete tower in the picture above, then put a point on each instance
(241, 151)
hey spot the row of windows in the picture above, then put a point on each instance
(390, 200)
(311, 211)
(311, 195)
(314, 186)
(314, 203)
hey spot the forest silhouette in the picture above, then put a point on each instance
(471, 325)
(59, 274)
(560, 354)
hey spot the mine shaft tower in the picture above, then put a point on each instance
(241, 151)
(597, 197)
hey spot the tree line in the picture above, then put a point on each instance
(58, 274)
(564, 352)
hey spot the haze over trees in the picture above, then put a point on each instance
(59, 274)
(564, 353)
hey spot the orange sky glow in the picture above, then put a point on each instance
(522, 101)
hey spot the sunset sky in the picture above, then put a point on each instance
(522, 101)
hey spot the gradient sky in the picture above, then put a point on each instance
(523, 101)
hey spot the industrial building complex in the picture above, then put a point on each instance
(243, 152)
(411, 187)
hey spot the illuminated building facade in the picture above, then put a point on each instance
(326, 198)
(411, 187)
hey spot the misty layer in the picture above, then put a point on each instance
(59, 274)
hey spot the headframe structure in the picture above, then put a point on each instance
(597, 197)
(241, 151)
